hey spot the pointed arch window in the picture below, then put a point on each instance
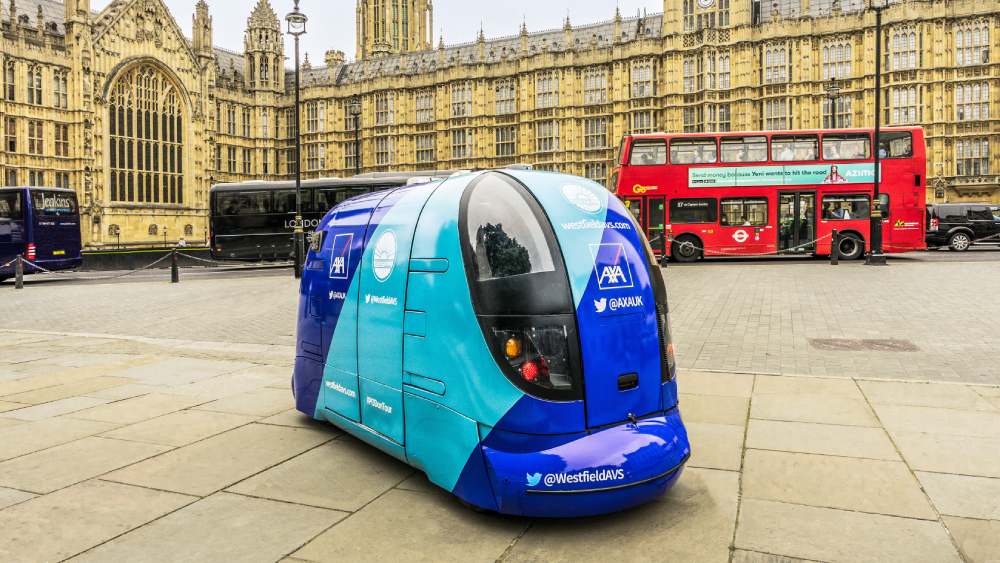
(146, 138)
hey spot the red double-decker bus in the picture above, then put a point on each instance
(777, 192)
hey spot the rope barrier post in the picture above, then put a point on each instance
(175, 275)
(835, 249)
(19, 273)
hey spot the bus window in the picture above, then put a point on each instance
(687, 211)
(744, 149)
(284, 201)
(693, 151)
(787, 148)
(53, 204)
(245, 203)
(10, 206)
(846, 207)
(852, 146)
(896, 144)
(744, 212)
(883, 204)
(651, 152)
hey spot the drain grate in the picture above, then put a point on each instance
(871, 345)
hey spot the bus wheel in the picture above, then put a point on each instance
(687, 249)
(851, 247)
(959, 242)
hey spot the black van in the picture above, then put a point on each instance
(959, 225)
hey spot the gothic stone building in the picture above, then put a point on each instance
(141, 120)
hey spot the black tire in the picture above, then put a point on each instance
(686, 249)
(959, 242)
(852, 247)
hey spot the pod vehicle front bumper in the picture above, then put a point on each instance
(587, 474)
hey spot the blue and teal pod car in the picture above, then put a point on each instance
(506, 332)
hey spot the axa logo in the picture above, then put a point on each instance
(601, 305)
(340, 255)
(533, 479)
(611, 266)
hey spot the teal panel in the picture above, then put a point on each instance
(424, 384)
(364, 434)
(434, 265)
(441, 460)
(453, 351)
(340, 393)
(415, 323)
(382, 409)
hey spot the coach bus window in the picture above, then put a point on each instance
(687, 211)
(744, 149)
(896, 145)
(883, 204)
(246, 203)
(284, 201)
(847, 147)
(787, 148)
(10, 206)
(744, 212)
(649, 153)
(846, 207)
(693, 151)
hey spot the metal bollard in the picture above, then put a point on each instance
(175, 275)
(19, 273)
(835, 248)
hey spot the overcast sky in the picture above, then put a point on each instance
(331, 22)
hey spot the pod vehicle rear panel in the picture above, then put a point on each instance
(504, 332)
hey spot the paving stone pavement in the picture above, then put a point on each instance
(171, 435)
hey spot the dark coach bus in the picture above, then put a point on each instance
(255, 220)
(43, 226)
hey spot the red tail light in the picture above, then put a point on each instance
(538, 353)
(32, 253)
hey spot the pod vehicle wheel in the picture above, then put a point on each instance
(960, 242)
(687, 249)
(852, 247)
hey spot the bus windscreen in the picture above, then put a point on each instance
(53, 204)
(10, 206)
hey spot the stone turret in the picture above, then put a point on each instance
(201, 30)
(263, 50)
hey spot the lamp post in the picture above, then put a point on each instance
(833, 93)
(354, 108)
(296, 28)
(875, 256)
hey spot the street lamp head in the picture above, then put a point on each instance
(833, 88)
(296, 21)
(879, 4)
(354, 106)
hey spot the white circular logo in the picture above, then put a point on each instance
(384, 256)
(582, 198)
(706, 3)
(741, 236)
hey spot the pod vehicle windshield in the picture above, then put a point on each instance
(506, 332)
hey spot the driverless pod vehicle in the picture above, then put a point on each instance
(506, 332)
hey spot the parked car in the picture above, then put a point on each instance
(960, 225)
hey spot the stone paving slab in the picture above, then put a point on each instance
(940, 453)
(67, 390)
(137, 409)
(940, 421)
(963, 495)
(826, 439)
(835, 482)
(55, 468)
(53, 409)
(217, 462)
(978, 539)
(67, 522)
(943, 395)
(815, 408)
(223, 527)
(25, 438)
(719, 384)
(412, 522)
(826, 534)
(719, 446)
(10, 497)
(714, 409)
(258, 402)
(180, 428)
(345, 474)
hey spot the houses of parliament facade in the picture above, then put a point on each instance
(142, 116)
